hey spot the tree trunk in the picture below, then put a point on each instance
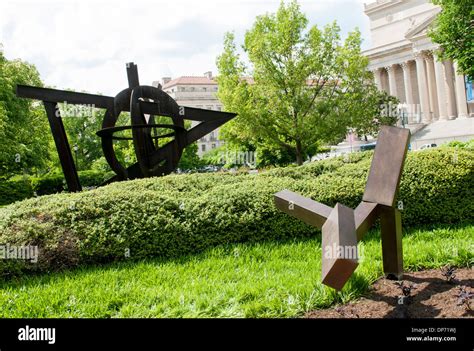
(299, 153)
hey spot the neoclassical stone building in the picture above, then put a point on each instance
(404, 62)
(199, 92)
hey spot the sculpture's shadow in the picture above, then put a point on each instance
(418, 305)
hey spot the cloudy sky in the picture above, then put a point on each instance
(84, 45)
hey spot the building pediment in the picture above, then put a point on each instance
(380, 5)
(420, 29)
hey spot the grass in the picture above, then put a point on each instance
(242, 280)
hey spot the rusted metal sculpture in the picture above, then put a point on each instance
(343, 227)
(139, 100)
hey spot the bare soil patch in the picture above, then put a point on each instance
(431, 294)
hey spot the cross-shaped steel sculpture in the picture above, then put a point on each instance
(139, 100)
(343, 227)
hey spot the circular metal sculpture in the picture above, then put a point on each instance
(141, 131)
(141, 101)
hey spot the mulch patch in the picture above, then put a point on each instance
(432, 296)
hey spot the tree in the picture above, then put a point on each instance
(381, 109)
(24, 129)
(81, 122)
(453, 30)
(306, 86)
(189, 158)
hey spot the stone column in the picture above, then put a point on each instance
(377, 78)
(460, 93)
(441, 89)
(448, 69)
(407, 81)
(432, 86)
(392, 80)
(423, 88)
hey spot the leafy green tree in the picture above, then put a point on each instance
(453, 30)
(24, 129)
(214, 156)
(381, 109)
(189, 158)
(272, 155)
(81, 124)
(306, 84)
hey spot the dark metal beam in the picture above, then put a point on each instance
(309, 211)
(387, 165)
(338, 233)
(132, 75)
(391, 232)
(62, 145)
(198, 114)
(54, 95)
(102, 101)
(202, 129)
(365, 216)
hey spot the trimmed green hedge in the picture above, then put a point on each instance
(23, 188)
(49, 184)
(181, 214)
(55, 183)
(460, 144)
(14, 190)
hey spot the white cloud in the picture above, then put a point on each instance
(85, 44)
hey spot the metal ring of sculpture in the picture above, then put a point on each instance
(109, 132)
(141, 130)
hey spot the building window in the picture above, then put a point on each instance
(191, 89)
(203, 147)
(219, 108)
(213, 146)
(204, 89)
(215, 88)
(469, 89)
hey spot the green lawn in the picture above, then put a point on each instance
(243, 280)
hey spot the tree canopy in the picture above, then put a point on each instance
(24, 129)
(301, 88)
(453, 30)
